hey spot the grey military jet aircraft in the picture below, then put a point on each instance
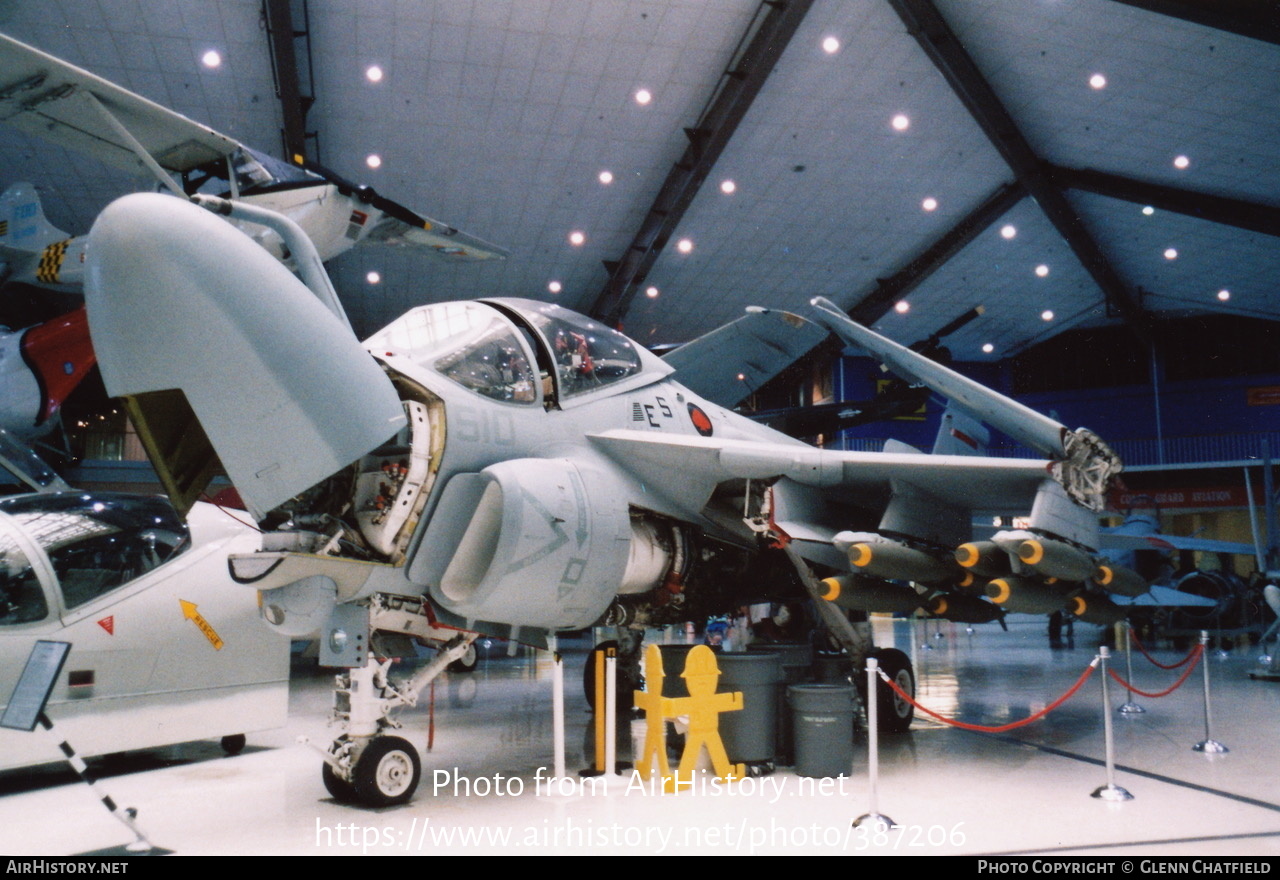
(509, 467)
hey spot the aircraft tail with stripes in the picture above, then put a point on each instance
(33, 250)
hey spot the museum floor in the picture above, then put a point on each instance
(949, 790)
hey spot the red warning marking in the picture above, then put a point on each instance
(109, 624)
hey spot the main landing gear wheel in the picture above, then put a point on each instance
(467, 662)
(233, 744)
(386, 773)
(893, 712)
(339, 789)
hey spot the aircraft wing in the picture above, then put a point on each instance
(727, 364)
(45, 96)
(694, 466)
(442, 239)
(1117, 541)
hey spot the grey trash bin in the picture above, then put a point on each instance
(750, 734)
(822, 719)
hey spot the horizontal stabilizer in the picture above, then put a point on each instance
(727, 364)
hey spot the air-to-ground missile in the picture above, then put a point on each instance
(1120, 580)
(962, 609)
(876, 555)
(1092, 608)
(985, 558)
(867, 594)
(1047, 556)
(1026, 595)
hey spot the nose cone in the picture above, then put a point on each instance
(181, 300)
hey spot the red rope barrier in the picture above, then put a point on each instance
(1195, 652)
(1134, 636)
(1084, 676)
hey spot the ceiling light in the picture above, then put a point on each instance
(651, 292)
(1046, 315)
(1170, 253)
(684, 245)
(1181, 162)
(554, 287)
(211, 58)
(1098, 81)
(831, 45)
(988, 348)
(373, 73)
(373, 277)
(1008, 231)
(1148, 210)
(1042, 270)
(643, 97)
(606, 177)
(902, 307)
(1224, 294)
(930, 204)
(373, 160)
(900, 122)
(727, 186)
(576, 237)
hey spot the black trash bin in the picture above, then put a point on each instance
(822, 719)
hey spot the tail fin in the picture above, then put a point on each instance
(22, 222)
(960, 434)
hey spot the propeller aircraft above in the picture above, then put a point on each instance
(47, 97)
(509, 467)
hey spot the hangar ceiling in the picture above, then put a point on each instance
(1019, 182)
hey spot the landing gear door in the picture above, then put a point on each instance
(195, 323)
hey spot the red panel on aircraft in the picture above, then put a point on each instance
(60, 354)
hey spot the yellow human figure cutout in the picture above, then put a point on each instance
(703, 707)
(655, 715)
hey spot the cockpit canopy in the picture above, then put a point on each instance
(253, 173)
(517, 351)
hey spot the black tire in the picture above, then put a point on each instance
(342, 791)
(387, 772)
(625, 695)
(894, 714)
(233, 744)
(468, 661)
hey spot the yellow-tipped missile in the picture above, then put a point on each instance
(896, 561)
(1056, 559)
(864, 594)
(1095, 609)
(985, 558)
(1120, 580)
(1026, 595)
(963, 609)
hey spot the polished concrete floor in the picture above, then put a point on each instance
(948, 790)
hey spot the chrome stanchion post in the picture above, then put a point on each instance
(1110, 791)
(1208, 745)
(883, 823)
(1129, 707)
(557, 706)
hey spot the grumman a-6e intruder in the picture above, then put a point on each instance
(511, 468)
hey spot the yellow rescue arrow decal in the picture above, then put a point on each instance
(190, 613)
